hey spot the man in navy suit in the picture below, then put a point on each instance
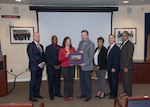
(53, 68)
(113, 61)
(36, 64)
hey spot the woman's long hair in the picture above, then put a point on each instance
(64, 42)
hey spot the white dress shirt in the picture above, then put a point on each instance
(96, 56)
(111, 46)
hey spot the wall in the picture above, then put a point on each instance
(16, 53)
(133, 19)
(17, 59)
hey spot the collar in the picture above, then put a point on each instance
(85, 40)
(36, 42)
(54, 44)
(126, 41)
(112, 45)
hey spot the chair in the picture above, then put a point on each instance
(16, 105)
(41, 104)
(117, 103)
(143, 101)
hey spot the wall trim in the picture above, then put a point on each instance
(23, 80)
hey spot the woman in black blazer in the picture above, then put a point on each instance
(100, 66)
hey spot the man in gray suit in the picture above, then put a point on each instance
(126, 64)
(86, 47)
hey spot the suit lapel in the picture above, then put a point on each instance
(124, 44)
(112, 48)
(35, 47)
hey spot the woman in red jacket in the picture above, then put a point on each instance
(66, 68)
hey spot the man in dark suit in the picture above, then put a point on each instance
(126, 64)
(36, 64)
(53, 68)
(113, 61)
(86, 47)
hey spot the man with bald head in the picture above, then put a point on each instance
(36, 64)
(53, 68)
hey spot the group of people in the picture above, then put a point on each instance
(56, 59)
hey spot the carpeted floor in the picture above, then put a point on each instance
(20, 94)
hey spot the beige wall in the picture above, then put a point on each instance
(17, 59)
(135, 19)
(16, 53)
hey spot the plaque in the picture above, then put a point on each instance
(75, 58)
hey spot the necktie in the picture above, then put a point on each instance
(121, 45)
(39, 47)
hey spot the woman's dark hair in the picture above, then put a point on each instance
(85, 32)
(100, 38)
(64, 42)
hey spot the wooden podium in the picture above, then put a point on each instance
(3, 76)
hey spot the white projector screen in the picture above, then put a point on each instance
(71, 24)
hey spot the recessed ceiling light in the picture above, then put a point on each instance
(126, 1)
(18, 0)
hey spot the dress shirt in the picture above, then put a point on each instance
(85, 42)
(38, 46)
(96, 56)
(124, 42)
(110, 47)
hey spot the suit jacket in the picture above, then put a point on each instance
(102, 58)
(126, 60)
(113, 58)
(35, 56)
(51, 55)
(87, 55)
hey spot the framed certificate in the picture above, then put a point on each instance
(75, 58)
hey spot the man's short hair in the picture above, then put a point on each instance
(85, 32)
(112, 35)
(126, 32)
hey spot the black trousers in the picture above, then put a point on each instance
(113, 82)
(54, 82)
(35, 83)
(68, 74)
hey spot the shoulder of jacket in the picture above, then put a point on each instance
(104, 48)
(32, 43)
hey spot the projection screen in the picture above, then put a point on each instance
(71, 24)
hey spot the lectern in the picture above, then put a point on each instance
(3, 76)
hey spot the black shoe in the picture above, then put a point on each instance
(40, 97)
(33, 99)
(87, 99)
(112, 97)
(108, 95)
(80, 97)
(51, 98)
(59, 95)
